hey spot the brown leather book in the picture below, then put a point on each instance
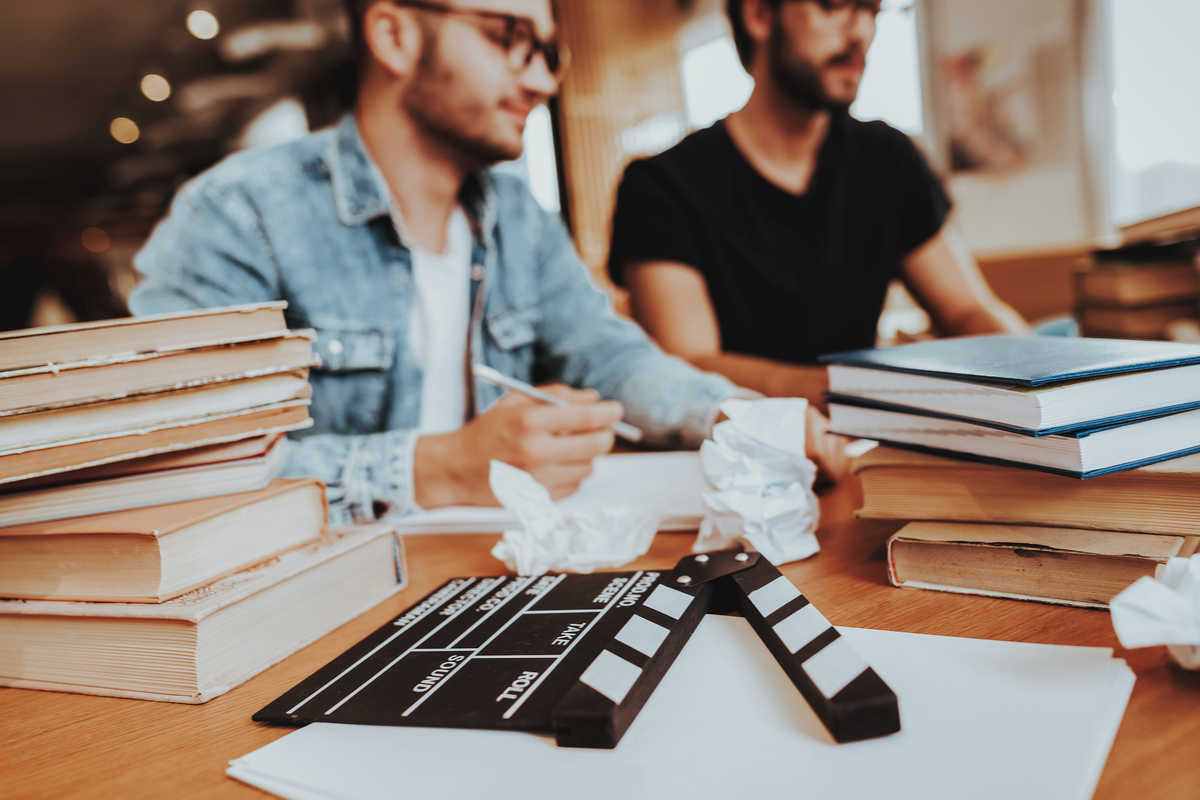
(61, 344)
(1049, 565)
(150, 555)
(254, 447)
(91, 421)
(204, 643)
(112, 378)
(1135, 285)
(1148, 322)
(901, 484)
(81, 498)
(170, 437)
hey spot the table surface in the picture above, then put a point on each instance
(64, 746)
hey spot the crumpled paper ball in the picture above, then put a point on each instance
(1163, 611)
(763, 481)
(565, 542)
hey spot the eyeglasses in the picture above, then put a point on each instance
(847, 8)
(516, 36)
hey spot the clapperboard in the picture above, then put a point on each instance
(578, 655)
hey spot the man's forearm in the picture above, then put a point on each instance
(771, 378)
(997, 317)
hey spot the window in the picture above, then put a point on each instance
(891, 86)
(538, 164)
(714, 83)
(1156, 98)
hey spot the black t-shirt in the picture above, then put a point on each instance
(790, 276)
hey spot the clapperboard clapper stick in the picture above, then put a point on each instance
(579, 655)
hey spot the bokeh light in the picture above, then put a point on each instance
(96, 240)
(124, 130)
(156, 87)
(203, 25)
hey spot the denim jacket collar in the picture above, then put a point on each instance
(358, 195)
(360, 192)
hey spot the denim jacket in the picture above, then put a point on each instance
(310, 222)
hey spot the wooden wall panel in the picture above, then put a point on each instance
(1037, 285)
(624, 71)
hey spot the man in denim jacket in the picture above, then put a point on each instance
(334, 222)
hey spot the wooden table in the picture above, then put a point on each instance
(64, 746)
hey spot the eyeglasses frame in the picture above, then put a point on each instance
(555, 55)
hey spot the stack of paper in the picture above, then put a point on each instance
(981, 719)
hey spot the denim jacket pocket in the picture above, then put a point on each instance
(346, 350)
(350, 388)
(513, 333)
(513, 328)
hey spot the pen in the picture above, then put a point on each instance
(484, 373)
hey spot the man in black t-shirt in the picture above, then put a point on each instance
(754, 246)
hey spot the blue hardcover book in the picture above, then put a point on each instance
(1078, 454)
(1035, 385)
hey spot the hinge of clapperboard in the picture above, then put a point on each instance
(847, 695)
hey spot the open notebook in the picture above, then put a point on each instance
(671, 482)
(981, 719)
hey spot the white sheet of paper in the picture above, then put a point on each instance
(981, 720)
(671, 482)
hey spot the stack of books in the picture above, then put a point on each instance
(1137, 292)
(987, 440)
(86, 395)
(147, 548)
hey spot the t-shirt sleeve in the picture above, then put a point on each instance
(923, 203)
(650, 222)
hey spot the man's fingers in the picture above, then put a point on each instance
(594, 416)
(576, 396)
(510, 399)
(563, 479)
(569, 447)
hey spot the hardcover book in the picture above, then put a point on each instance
(201, 645)
(1021, 360)
(1132, 285)
(157, 487)
(22, 465)
(904, 484)
(1035, 384)
(1079, 454)
(150, 555)
(1048, 565)
(1147, 322)
(112, 378)
(132, 415)
(81, 341)
(254, 447)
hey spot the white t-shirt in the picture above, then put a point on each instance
(438, 330)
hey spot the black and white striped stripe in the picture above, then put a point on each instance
(845, 692)
(613, 674)
(828, 659)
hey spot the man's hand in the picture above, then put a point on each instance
(555, 445)
(826, 449)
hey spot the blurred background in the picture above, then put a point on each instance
(1053, 122)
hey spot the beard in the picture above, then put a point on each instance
(451, 114)
(802, 80)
